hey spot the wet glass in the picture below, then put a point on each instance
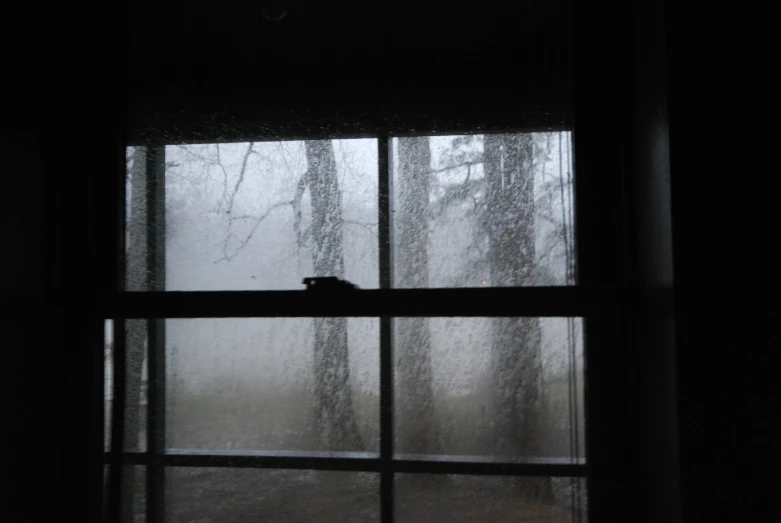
(108, 381)
(500, 499)
(491, 210)
(254, 384)
(252, 216)
(133, 502)
(214, 494)
(500, 388)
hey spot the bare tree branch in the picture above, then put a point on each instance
(368, 227)
(552, 246)
(196, 156)
(224, 176)
(259, 219)
(241, 178)
(456, 166)
(365, 225)
(285, 152)
(301, 186)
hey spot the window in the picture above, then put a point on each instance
(449, 384)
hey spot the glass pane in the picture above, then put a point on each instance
(106, 469)
(140, 228)
(133, 499)
(253, 216)
(232, 495)
(273, 384)
(108, 381)
(133, 494)
(457, 499)
(135, 384)
(498, 387)
(483, 210)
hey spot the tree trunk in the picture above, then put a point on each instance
(416, 432)
(135, 330)
(516, 344)
(334, 413)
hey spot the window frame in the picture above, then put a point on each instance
(594, 304)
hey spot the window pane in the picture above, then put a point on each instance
(133, 499)
(136, 384)
(106, 469)
(483, 210)
(133, 493)
(198, 494)
(253, 216)
(456, 498)
(108, 381)
(273, 384)
(498, 387)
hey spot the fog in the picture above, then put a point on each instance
(230, 225)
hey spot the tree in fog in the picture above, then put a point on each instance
(516, 356)
(136, 279)
(412, 344)
(324, 237)
(334, 411)
(502, 207)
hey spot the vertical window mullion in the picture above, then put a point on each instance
(117, 422)
(118, 356)
(384, 157)
(155, 212)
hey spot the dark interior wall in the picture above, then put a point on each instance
(653, 337)
(59, 140)
(698, 161)
(603, 93)
(724, 115)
